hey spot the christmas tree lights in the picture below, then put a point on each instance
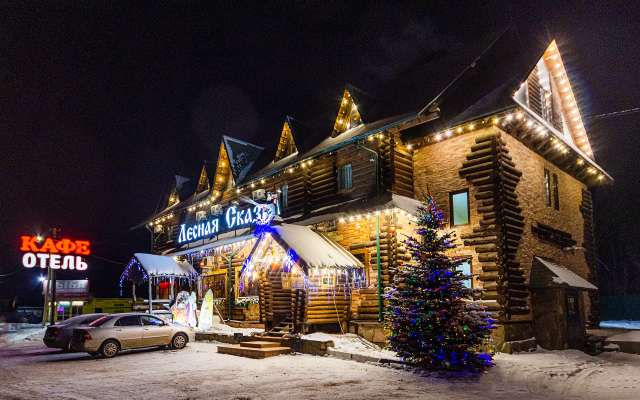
(432, 319)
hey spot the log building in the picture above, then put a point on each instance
(492, 130)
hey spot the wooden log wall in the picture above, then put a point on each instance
(298, 308)
(586, 208)
(391, 254)
(533, 86)
(326, 306)
(396, 165)
(490, 168)
(552, 235)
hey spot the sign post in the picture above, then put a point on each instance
(54, 254)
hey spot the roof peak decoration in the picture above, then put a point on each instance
(223, 173)
(287, 144)
(348, 115)
(203, 182)
(548, 92)
(241, 156)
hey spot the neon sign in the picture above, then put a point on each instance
(49, 255)
(234, 218)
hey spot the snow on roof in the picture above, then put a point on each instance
(163, 265)
(313, 249)
(557, 275)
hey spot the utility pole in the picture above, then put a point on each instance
(56, 236)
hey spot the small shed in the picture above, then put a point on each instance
(147, 267)
(557, 303)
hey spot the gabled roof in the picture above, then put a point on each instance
(311, 249)
(144, 266)
(241, 156)
(547, 274)
(287, 144)
(348, 115)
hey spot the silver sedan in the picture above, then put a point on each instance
(108, 335)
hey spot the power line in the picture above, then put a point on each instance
(14, 272)
(615, 113)
(104, 259)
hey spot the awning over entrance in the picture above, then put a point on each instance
(142, 266)
(546, 274)
(384, 202)
(311, 249)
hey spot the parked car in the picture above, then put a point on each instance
(108, 335)
(59, 335)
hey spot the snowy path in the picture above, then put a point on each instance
(30, 370)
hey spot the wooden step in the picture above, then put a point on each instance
(260, 344)
(257, 353)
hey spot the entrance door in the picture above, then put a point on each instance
(575, 327)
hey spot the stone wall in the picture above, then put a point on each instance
(550, 320)
(251, 312)
(436, 170)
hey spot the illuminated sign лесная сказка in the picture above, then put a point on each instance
(49, 254)
(231, 218)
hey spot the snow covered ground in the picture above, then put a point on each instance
(620, 324)
(218, 327)
(351, 343)
(30, 370)
(26, 332)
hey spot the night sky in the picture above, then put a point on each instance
(101, 104)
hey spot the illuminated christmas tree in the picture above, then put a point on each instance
(432, 319)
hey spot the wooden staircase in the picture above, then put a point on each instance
(285, 326)
(258, 349)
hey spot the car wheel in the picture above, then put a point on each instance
(109, 349)
(179, 341)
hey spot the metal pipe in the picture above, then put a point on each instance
(229, 281)
(378, 265)
(150, 301)
(375, 160)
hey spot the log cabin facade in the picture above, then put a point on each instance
(492, 130)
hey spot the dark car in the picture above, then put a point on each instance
(59, 335)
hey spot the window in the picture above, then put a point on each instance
(170, 234)
(100, 321)
(547, 188)
(282, 197)
(129, 320)
(149, 320)
(556, 197)
(344, 177)
(89, 320)
(217, 284)
(459, 202)
(465, 267)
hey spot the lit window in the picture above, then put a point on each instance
(465, 267)
(459, 202)
(547, 188)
